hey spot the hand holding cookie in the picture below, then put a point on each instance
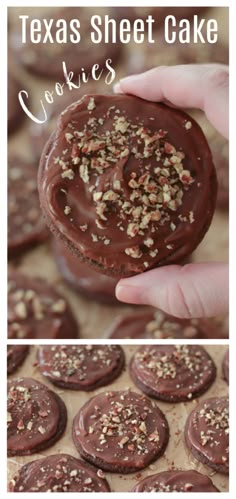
(194, 290)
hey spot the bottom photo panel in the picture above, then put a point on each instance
(109, 418)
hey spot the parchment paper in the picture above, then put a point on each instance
(176, 455)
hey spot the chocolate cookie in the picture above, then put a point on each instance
(58, 473)
(207, 433)
(122, 432)
(26, 227)
(39, 134)
(173, 373)
(45, 59)
(36, 310)
(225, 366)
(15, 357)
(15, 112)
(36, 417)
(83, 278)
(176, 481)
(127, 184)
(158, 324)
(80, 367)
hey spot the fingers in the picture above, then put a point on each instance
(202, 86)
(194, 290)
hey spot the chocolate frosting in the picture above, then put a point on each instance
(36, 417)
(25, 222)
(93, 285)
(80, 367)
(176, 481)
(127, 184)
(173, 373)
(120, 431)
(15, 357)
(39, 134)
(158, 324)
(58, 473)
(36, 310)
(207, 433)
(225, 366)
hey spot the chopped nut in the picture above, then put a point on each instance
(59, 306)
(91, 104)
(41, 429)
(132, 229)
(68, 174)
(149, 242)
(134, 252)
(188, 125)
(110, 196)
(68, 137)
(67, 210)
(9, 418)
(97, 196)
(21, 310)
(83, 171)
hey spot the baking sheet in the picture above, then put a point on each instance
(176, 455)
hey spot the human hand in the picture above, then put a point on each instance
(192, 290)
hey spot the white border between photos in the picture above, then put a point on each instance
(3, 205)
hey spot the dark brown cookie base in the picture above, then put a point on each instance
(176, 481)
(90, 284)
(225, 366)
(16, 355)
(37, 310)
(78, 385)
(207, 433)
(118, 457)
(50, 442)
(130, 265)
(185, 392)
(58, 473)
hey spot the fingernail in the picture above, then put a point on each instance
(117, 88)
(127, 293)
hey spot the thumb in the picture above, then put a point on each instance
(189, 291)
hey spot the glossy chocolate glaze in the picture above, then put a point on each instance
(26, 227)
(84, 279)
(15, 357)
(36, 417)
(83, 367)
(170, 204)
(58, 473)
(207, 433)
(120, 431)
(45, 59)
(36, 310)
(225, 366)
(39, 134)
(155, 324)
(173, 373)
(176, 481)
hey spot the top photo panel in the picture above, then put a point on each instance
(118, 173)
